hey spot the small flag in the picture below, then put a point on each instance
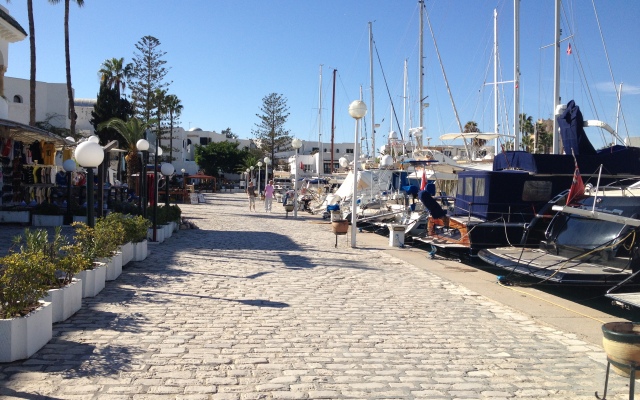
(569, 49)
(423, 182)
(576, 192)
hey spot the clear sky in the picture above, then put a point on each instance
(225, 56)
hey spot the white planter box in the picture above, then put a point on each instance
(46, 220)
(140, 251)
(21, 337)
(19, 217)
(93, 280)
(114, 267)
(127, 253)
(65, 301)
(159, 234)
(168, 230)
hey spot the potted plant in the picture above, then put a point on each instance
(65, 292)
(95, 273)
(136, 229)
(47, 214)
(25, 320)
(109, 235)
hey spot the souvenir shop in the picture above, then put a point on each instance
(32, 170)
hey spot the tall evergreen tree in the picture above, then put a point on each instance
(109, 105)
(174, 110)
(270, 132)
(147, 76)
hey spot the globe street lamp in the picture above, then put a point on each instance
(247, 176)
(143, 147)
(69, 166)
(296, 144)
(259, 166)
(357, 110)
(267, 161)
(167, 169)
(157, 154)
(89, 155)
(184, 181)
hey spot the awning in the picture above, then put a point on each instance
(29, 134)
(470, 135)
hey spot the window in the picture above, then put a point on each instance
(337, 151)
(17, 99)
(325, 150)
(537, 191)
(314, 149)
(204, 141)
(479, 187)
(349, 151)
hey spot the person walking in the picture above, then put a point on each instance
(251, 191)
(268, 196)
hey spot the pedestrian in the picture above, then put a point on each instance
(251, 191)
(268, 196)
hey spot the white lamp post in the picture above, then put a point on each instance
(267, 161)
(143, 146)
(184, 180)
(251, 176)
(259, 166)
(167, 169)
(89, 155)
(247, 176)
(296, 144)
(357, 110)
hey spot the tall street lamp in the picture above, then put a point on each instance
(357, 110)
(69, 166)
(155, 188)
(267, 161)
(167, 169)
(143, 146)
(184, 181)
(259, 166)
(89, 155)
(296, 144)
(251, 177)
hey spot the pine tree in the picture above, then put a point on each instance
(270, 132)
(147, 77)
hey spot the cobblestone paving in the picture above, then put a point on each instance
(259, 306)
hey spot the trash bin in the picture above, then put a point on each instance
(396, 235)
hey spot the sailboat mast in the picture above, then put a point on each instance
(333, 109)
(320, 153)
(404, 99)
(421, 67)
(556, 80)
(373, 120)
(495, 79)
(516, 74)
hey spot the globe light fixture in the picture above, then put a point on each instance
(259, 166)
(94, 139)
(184, 179)
(89, 155)
(357, 110)
(296, 144)
(267, 161)
(143, 146)
(167, 170)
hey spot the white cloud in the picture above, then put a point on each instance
(627, 89)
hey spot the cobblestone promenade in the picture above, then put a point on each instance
(259, 306)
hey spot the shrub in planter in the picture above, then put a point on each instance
(136, 228)
(125, 207)
(23, 281)
(84, 238)
(108, 234)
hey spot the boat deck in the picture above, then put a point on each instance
(539, 264)
(631, 299)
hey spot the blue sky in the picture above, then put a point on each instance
(225, 56)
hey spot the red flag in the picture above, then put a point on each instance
(423, 182)
(576, 192)
(569, 49)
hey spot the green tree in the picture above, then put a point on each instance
(545, 139)
(220, 156)
(228, 134)
(526, 131)
(114, 74)
(72, 109)
(471, 127)
(109, 105)
(271, 132)
(174, 109)
(147, 76)
(131, 131)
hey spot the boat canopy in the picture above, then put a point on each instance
(469, 135)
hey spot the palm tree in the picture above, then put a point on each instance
(72, 108)
(114, 73)
(174, 108)
(472, 126)
(32, 75)
(131, 131)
